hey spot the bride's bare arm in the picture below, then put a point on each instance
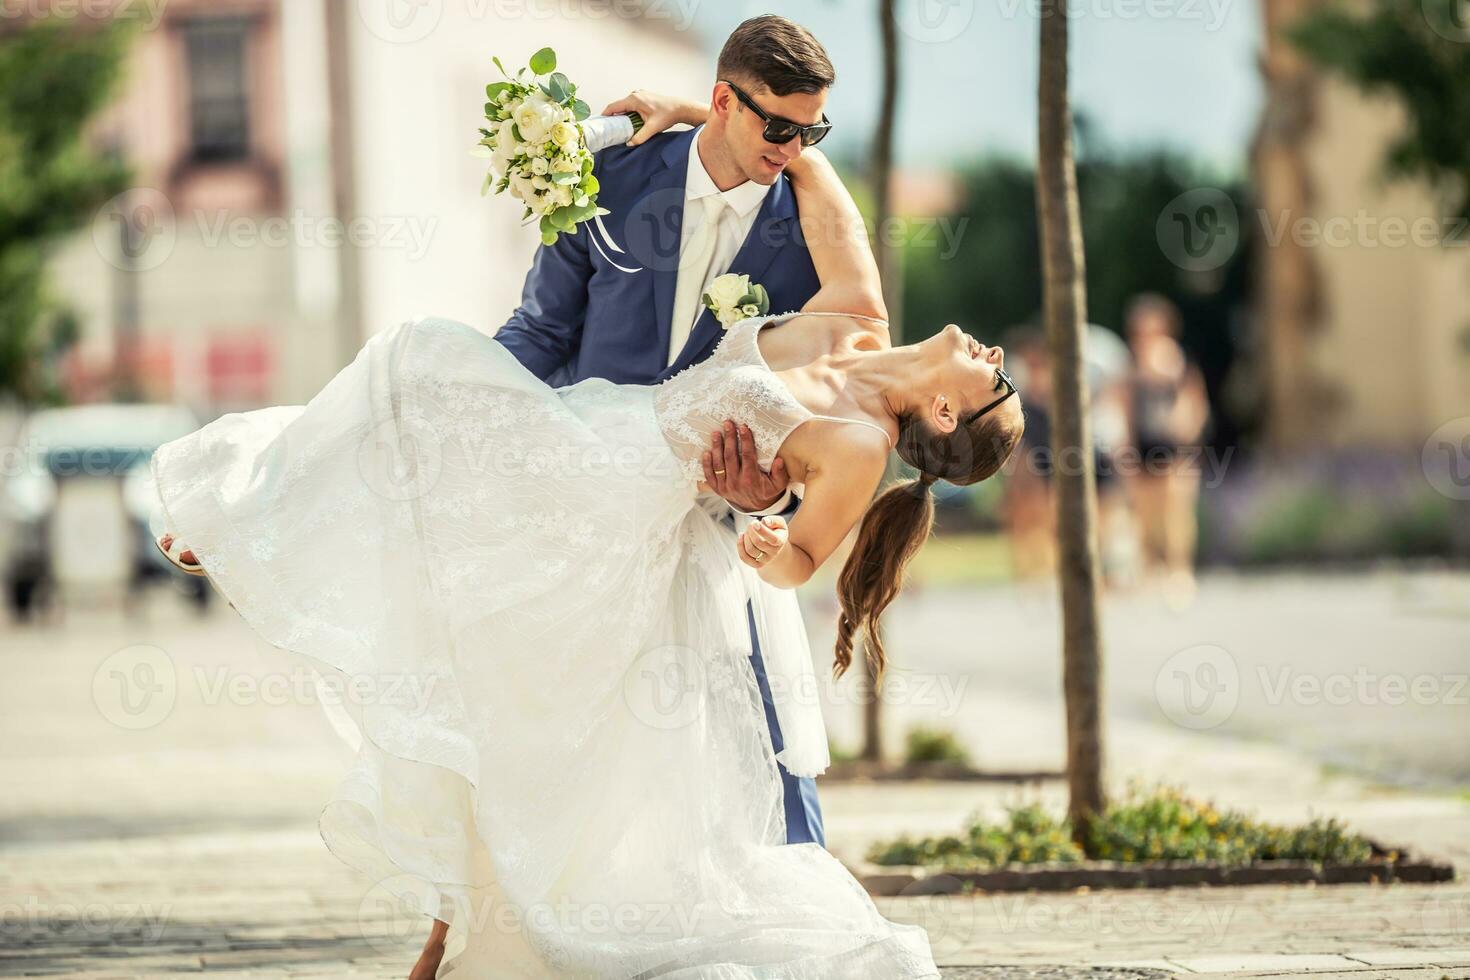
(837, 240)
(839, 488)
(659, 112)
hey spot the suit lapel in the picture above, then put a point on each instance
(771, 231)
(663, 213)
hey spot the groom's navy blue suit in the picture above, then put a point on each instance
(590, 300)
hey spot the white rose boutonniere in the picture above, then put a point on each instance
(733, 297)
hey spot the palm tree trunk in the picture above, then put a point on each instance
(890, 267)
(1064, 301)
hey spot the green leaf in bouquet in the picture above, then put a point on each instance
(516, 132)
(485, 132)
(599, 212)
(565, 177)
(548, 230)
(558, 87)
(500, 66)
(587, 165)
(543, 62)
(582, 212)
(493, 90)
(485, 187)
(762, 298)
(580, 110)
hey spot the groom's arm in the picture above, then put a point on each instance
(545, 331)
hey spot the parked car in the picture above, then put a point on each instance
(77, 499)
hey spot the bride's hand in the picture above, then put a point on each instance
(659, 112)
(763, 540)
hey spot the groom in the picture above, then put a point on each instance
(621, 299)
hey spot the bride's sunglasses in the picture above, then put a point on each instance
(781, 131)
(1001, 378)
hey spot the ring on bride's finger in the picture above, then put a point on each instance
(760, 555)
(719, 472)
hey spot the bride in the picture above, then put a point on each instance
(583, 783)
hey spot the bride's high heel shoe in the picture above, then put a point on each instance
(174, 552)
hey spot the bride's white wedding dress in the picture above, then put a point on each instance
(546, 657)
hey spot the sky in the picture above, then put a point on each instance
(1146, 74)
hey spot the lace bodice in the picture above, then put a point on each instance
(733, 383)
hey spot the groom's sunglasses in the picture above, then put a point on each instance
(781, 131)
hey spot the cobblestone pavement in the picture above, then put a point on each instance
(149, 836)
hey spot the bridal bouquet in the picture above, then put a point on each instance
(540, 142)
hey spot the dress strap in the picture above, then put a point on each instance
(871, 425)
(853, 316)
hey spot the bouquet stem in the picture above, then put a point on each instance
(601, 132)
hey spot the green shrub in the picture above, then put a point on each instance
(934, 745)
(1159, 824)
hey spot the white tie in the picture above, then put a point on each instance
(696, 260)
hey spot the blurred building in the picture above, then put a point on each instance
(1367, 330)
(303, 179)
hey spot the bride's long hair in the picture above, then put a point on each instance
(899, 521)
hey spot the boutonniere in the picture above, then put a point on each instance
(733, 297)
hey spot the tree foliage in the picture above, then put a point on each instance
(53, 77)
(1417, 52)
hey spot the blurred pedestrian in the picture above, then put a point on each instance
(1168, 412)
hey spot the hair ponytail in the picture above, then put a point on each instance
(894, 528)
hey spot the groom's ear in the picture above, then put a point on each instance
(722, 100)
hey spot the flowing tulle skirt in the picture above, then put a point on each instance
(544, 656)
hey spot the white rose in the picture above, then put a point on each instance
(564, 135)
(728, 317)
(562, 194)
(528, 120)
(540, 183)
(728, 290)
(505, 136)
(539, 165)
(499, 161)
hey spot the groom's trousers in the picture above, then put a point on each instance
(803, 812)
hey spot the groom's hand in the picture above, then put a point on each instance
(732, 472)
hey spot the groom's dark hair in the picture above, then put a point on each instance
(777, 53)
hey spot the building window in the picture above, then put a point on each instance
(219, 101)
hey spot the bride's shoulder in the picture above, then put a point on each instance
(865, 332)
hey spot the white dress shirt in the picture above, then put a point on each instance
(715, 225)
